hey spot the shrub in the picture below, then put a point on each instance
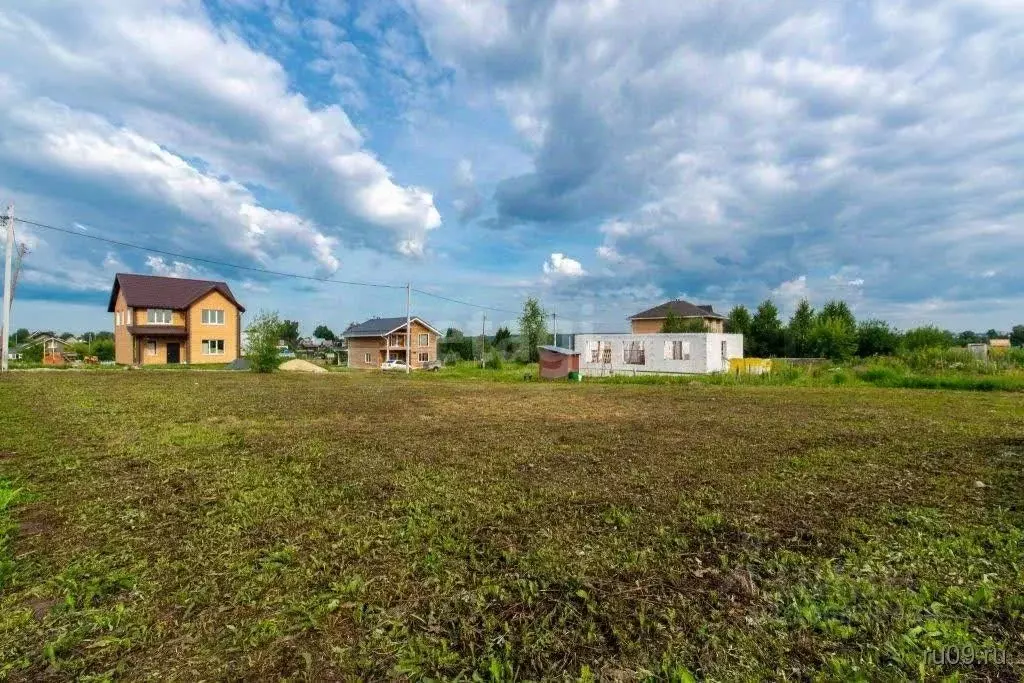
(833, 338)
(494, 360)
(927, 337)
(261, 349)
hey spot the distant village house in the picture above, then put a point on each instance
(377, 340)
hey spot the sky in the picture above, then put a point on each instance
(601, 155)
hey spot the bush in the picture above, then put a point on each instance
(928, 337)
(494, 360)
(833, 338)
(261, 349)
(451, 358)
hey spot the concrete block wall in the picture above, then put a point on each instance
(707, 352)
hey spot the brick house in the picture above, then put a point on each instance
(168, 320)
(377, 340)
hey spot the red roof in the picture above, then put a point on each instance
(154, 291)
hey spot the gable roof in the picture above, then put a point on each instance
(155, 291)
(684, 309)
(378, 327)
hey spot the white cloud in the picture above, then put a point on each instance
(563, 266)
(724, 144)
(181, 84)
(158, 266)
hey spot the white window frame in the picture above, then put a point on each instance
(606, 353)
(367, 357)
(423, 339)
(595, 351)
(166, 314)
(150, 347)
(209, 316)
(209, 347)
(117, 318)
(424, 357)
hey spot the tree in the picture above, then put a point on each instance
(21, 335)
(994, 334)
(66, 335)
(264, 332)
(927, 337)
(833, 338)
(453, 333)
(798, 332)
(290, 333)
(103, 349)
(533, 327)
(501, 335)
(876, 338)
(968, 337)
(324, 332)
(674, 323)
(104, 334)
(1017, 335)
(33, 353)
(738, 322)
(766, 337)
(838, 310)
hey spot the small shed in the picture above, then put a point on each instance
(557, 361)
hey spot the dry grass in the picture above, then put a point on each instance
(187, 526)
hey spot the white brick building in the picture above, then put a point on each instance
(662, 353)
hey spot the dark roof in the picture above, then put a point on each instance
(684, 309)
(154, 291)
(158, 330)
(378, 327)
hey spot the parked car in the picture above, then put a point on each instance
(284, 352)
(393, 365)
(433, 365)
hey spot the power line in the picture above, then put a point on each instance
(254, 269)
(199, 259)
(465, 303)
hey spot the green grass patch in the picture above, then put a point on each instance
(234, 525)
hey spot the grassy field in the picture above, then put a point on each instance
(212, 525)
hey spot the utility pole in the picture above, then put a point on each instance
(483, 333)
(554, 327)
(408, 327)
(8, 285)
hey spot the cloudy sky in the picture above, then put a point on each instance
(602, 155)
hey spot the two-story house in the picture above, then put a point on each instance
(651, 320)
(167, 320)
(377, 340)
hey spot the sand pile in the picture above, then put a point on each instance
(299, 365)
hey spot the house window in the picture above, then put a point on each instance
(595, 351)
(367, 357)
(158, 316)
(117, 318)
(633, 353)
(725, 351)
(677, 350)
(424, 357)
(606, 355)
(424, 339)
(150, 347)
(213, 347)
(213, 316)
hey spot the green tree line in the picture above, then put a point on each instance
(834, 332)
